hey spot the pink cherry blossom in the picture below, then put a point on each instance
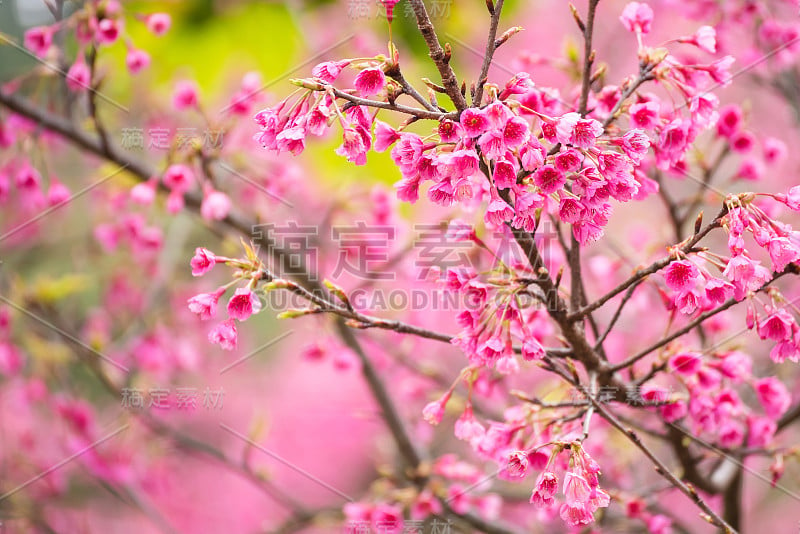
(137, 60)
(158, 23)
(705, 38)
(216, 206)
(574, 130)
(370, 81)
(517, 464)
(39, 39)
(782, 252)
(79, 76)
(637, 17)
(224, 335)
(474, 122)
(779, 325)
(354, 147)
(545, 489)
(549, 179)
(515, 132)
(203, 261)
(681, 275)
(385, 136)
(205, 304)
(185, 95)
(467, 427)
(773, 395)
(407, 152)
(449, 131)
(243, 304)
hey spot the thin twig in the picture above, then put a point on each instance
(662, 469)
(652, 268)
(440, 57)
(488, 56)
(400, 108)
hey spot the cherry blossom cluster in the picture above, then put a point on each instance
(98, 24)
(771, 26)
(24, 183)
(714, 406)
(697, 290)
(457, 484)
(243, 303)
(581, 488)
(537, 155)
(498, 320)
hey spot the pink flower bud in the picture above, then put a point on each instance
(10, 359)
(107, 31)
(224, 335)
(57, 193)
(79, 76)
(137, 60)
(389, 5)
(685, 363)
(637, 17)
(158, 23)
(216, 206)
(39, 39)
(144, 193)
(185, 95)
(774, 150)
(329, 70)
(175, 202)
(179, 177)
(434, 411)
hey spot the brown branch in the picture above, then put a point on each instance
(588, 57)
(615, 317)
(439, 56)
(645, 74)
(662, 469)
(640, 274)
(491, 46)
(409, 89)
(400, 108)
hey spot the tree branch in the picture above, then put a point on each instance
(439, 56)
(491, 46)
(696, 322)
